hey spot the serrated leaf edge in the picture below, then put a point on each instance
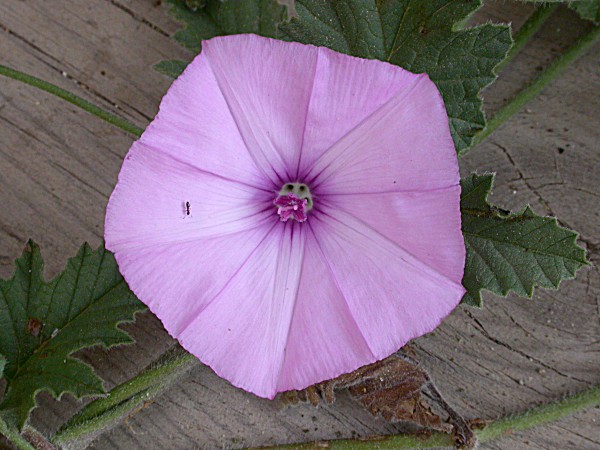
(34, 249)
(494, 77)
(476, 295)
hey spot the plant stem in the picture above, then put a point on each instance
(526, 32)
(523, 421)
(86, 428)
(111, 118)
(136, 392)
(541, 414)
(120, 400)
(527, 94)
(14, 436)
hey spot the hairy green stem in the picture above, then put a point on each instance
(541, 414)
(146, 385)
(86, 428)
(14, 436)
(113, 119)
(527, 94)
(526, 32)
(523, 421)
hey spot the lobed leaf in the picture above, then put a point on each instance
(420, 36)
(512, 252)
(43, 323)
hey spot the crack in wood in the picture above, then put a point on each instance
(139, 18)
(485, 334)
(525, 180)
(103, 195)
(68, 76)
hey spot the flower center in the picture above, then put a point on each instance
(293, 202)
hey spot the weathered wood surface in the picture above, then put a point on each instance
(58, 166)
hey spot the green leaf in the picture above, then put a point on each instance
(43, 323)
(512, 252)
(195, 5)
(218, 18)
(172, 68)
(420, 36)
(2, 365)
(588, 9)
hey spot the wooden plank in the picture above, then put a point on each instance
(58, 166)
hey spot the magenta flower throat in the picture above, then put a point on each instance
(292, 213)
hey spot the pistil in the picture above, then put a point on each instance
(293, 202)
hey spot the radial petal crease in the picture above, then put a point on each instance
(426, 224)
(340, 152)
(176, 279)
(242, 333)
(324, 340)
(269, 111)
(393, 296)
(160, 199)
(405, 144)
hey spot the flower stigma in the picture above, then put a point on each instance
(293, 202)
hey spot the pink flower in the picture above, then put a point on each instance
(292, 213)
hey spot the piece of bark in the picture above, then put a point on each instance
(391, 388)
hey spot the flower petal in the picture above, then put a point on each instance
(346, 90)
(177, 280)
(276, 305)
(426, 224)
(392, 295)
(267, 85)
(324, 340)
(148, 206)
(243, 332)
(403, 145)
(194, 125)
(173, 261)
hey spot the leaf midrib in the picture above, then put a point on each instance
(44, 344)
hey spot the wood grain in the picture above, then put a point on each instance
(58, 166)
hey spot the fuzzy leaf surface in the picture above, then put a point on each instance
(219, 18)
(223, 17)
(420, 36)
(512, 251)
(43, 323)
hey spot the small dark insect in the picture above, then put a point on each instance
(187, 208)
